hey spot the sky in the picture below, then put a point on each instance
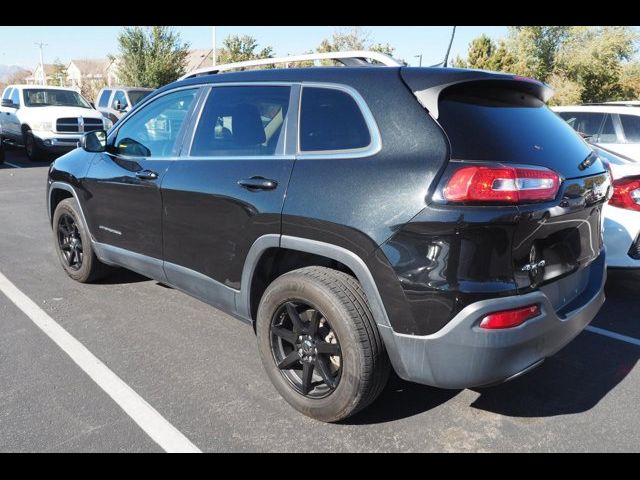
(17, 44)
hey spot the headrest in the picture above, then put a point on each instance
(247, 126)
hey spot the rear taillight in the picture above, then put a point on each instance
(626, 193)
(501, 184)
(510, 318)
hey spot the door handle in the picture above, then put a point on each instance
(258, 183)
(147, 175)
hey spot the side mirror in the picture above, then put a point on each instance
(117, 105)
(92, 105)
(6, 102)
(95, 141)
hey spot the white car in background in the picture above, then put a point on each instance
(622, 213)
(46, 120)
(614, 126)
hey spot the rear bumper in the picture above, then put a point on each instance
(462, 355)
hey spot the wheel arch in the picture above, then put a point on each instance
(59, 191)
(247, 305)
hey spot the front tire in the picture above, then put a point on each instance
(73, 244)
(319, 343)
(32, 149)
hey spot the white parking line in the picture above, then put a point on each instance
(617, 336)
(12, 165)
(147, 417)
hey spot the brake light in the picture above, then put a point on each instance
(501, 184)
(626, 193)
(510, 318)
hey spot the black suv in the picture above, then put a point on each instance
(442, 222)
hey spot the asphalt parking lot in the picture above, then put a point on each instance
(199, 370)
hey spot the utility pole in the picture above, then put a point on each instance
(419, 56)
(214, 45)
(44, 75)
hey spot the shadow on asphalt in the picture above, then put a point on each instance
(572, 381)
(122, 275)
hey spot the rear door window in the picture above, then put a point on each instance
(242, 121)
(631, 127)
(331, 120)
(103, 102)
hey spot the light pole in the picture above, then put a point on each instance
(419, 56)
(214, 45)
(44, 75)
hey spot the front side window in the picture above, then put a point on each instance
(103, 102)
(242, 121)
(15, 96)
(153, 130)
(119, 101)
(631, 127)
(49, 97)
(7, 93)
(330, 119)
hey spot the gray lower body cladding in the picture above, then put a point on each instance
(463, 355)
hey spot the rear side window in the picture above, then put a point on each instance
(242, 121)
(330, 119)
(103, 102)
(631, 127)
(584, 122)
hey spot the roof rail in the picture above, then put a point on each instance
(353, 57)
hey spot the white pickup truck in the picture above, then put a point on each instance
(46, 120)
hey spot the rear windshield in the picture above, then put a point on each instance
(501, 125)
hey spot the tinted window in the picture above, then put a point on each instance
(584, 122)
(136, 95)
(631, 127)
(503, 125)
(608, 134)
(153, 130)
(7, 93)
(15, 96)
(331, 120)
(121, 99)
(238, 121)
(103, 102)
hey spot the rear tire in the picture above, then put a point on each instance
(32, 149)
(73, 244)
(361, 369)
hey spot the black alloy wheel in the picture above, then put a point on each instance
(306, 349)
(70, 242)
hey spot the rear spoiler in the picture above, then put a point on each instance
(428, 83)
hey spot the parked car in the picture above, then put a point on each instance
(440, 221)
(115, 102)
(615, 127)
(622, 213)
(46, 120)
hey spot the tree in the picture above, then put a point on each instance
(239, 49)
(534, 49)
(151, 56)
(59, 75)
(485, 54)
(352, 38)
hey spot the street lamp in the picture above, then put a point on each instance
(419, 56)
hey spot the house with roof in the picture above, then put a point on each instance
(198, 58)
(37, 77)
